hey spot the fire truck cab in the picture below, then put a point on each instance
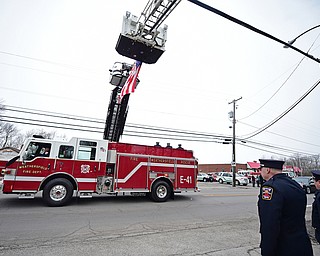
(83, 167)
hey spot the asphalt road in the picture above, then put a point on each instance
(220, 220)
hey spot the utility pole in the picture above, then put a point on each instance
(233, 162)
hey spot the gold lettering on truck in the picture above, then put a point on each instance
(161, 160)
(32, 169)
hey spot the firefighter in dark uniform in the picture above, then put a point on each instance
(316, 205)
(282, 207)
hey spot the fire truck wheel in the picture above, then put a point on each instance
(57, 192)
(160, 191)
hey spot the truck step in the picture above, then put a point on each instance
(85, 195)
(26, 196)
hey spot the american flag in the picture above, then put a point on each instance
(131, 82)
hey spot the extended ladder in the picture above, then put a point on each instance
(116, 116)
(155, 12)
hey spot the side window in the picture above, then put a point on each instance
(66, 152)
(35, 149)
(87, 150)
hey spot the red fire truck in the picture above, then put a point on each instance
(83, 167)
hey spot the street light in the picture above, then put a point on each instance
(291, 42)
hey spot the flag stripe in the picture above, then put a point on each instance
(131, 82)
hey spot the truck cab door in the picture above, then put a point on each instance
(65, 159)
(86, 166)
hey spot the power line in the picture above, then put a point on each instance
(129, 125)
(248, 26)
(45, 71)
(99, 121)
(171, 134)
(47, 61)
(269, 151)
(283, 136)
(51, 114)
(284, 113)
(130, 133)
(92, 128)
(288, 150)
(293, 71)
(126, 133)
(275, 91)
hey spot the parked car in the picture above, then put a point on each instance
(204, 177)
(226, 177)
(307, 183)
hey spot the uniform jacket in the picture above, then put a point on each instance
(316, 211)
(282, 206)
(316, 215)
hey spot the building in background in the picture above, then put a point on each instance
(7, 153)
(253, 166)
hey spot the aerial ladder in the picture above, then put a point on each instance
(118, 108)
(141, 39)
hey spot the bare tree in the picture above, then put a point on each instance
(316, 161)
(43, 133)
(2, 108)
(7, 132)
(10, 136)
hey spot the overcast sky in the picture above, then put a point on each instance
(55, 57)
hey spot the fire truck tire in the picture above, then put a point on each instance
(57, 192)
(161, 191)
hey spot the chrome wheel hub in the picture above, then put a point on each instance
(58, 192)
(162, 191)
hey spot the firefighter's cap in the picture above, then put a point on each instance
(270, 163)
(316, 174)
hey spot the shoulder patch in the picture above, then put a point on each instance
(266, 193)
